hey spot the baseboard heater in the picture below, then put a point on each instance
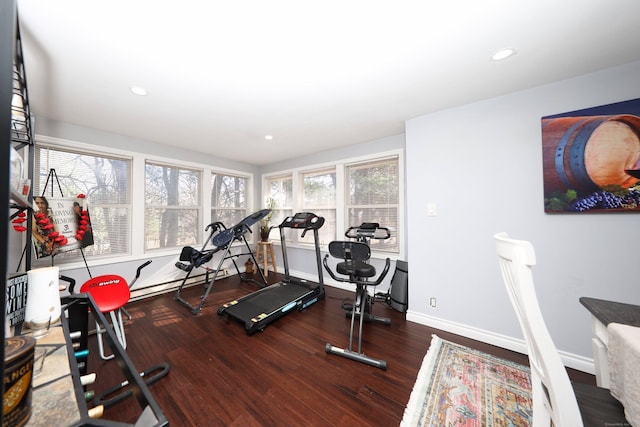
(172, 285)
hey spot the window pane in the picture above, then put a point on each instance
(319, 190)
(373, 196)
(172, 206)
(228, 199)
(105, 180)
(281, 190)
(172, 227)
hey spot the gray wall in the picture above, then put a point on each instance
(481, 164)
(326, 156)
(73, 132)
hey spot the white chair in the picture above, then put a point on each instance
(555, 398)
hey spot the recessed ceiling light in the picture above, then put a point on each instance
(503, 54)
(139, 90)
(268, 137)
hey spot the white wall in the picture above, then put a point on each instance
(481, 164)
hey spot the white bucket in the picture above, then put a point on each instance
(43, 295)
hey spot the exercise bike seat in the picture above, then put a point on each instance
(110, 291)
(354, 255)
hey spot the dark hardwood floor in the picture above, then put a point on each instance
(220, 376)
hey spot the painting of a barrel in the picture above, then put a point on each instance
(587, 154)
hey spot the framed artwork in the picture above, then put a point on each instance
(591, 159)
(60, 224)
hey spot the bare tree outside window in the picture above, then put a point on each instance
(280, 189)
(228, 198)
(172, 205)
(319, 197)
(374, 196)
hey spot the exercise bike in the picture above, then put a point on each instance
(355, 266)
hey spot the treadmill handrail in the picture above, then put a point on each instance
(311, 222)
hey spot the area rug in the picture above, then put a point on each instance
(462, 387)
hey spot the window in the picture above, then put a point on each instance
(172, 206)
(228, 198)
(353, 191)
(373, 195)
(105, 180)
(281, 190)
(319, 197)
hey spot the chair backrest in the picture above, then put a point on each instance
(553, 396)
(349, 250)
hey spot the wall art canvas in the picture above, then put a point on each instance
(591, 159)
(60, 224)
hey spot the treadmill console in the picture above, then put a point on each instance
(303, 220)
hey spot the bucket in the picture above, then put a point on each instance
(18, 374)
(590, 153)
(399, 298)
(43, 295)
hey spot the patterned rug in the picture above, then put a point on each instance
(461, 387)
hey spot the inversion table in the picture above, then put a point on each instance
(222, 239)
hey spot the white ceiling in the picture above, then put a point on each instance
(221, 75)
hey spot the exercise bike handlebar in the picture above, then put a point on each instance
(141, 267)
(368, 230)
(138, 272)
(359, 282)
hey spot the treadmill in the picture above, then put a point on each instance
(264, 306)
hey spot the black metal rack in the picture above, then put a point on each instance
(17, 131)
(76, 323)
(21, 136)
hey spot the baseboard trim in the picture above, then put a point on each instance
(570, 360)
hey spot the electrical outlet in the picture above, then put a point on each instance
(432, 302)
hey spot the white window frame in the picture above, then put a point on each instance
(299, 197)
(279, 210)
(198, 208)
(251, 238)
(341, 214)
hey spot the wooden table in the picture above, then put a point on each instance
(604, 312)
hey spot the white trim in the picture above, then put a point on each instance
(570, 360)
(138, 172)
